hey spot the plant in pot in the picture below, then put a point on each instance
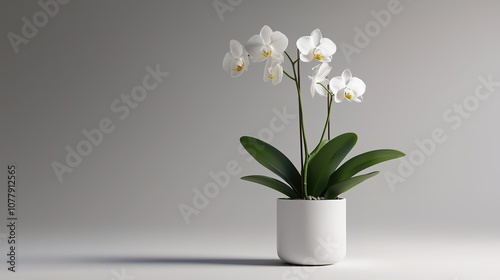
(311, 222)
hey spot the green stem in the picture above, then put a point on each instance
(288, 75)
(296, 74)
(327, 118)
(306, 150)
(306, 166)
(328, 102)
(302, 121)
(304, 163)
(289, 58)
(327, 123)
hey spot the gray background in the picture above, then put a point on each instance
(123, 199)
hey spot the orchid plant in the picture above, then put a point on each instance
(321, 174)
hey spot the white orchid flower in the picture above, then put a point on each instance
(265, 44)
(236, 60)
(316, 47)
(347, 87)
(320, 72)
(273, 71)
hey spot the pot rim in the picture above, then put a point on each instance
(300, 199)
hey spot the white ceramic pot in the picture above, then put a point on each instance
(311, 232)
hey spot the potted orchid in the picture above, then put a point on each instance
(311, 222)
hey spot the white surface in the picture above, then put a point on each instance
(370, 255)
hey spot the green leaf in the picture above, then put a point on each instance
(327, 160)
(273, 184)
(336, 189)
(274, 160)
(320, 145)
(361, 162)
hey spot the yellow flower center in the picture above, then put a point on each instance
(240, 66)
(318, 55)
(267, 53)
(271, 76)
(348, 93)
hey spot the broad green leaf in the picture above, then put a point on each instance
(326, 161)
(336, 189)
(320, 145)
(273, 184)
(361, 162)
(274, 160)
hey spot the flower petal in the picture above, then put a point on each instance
(337, 84)
(347, 75)
(245, 59)
(305, 45)
(327, 47)
(315, 71)
(227, 62)
(278, 74)
(236, 48)
(326, 59)
(320, 89)
(267, 70)
(358, 86)
(277, 57)
(316, 37)
(357, 99)
(306, 57)
(279, 42)
(324, 70)
(266, 32)
(253, 48)
(339, 96)
(312, 87)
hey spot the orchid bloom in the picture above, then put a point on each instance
(265, 44)
(318, 79)
(316, 47)
(236, 60)
(347, 87)
(273, 71)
